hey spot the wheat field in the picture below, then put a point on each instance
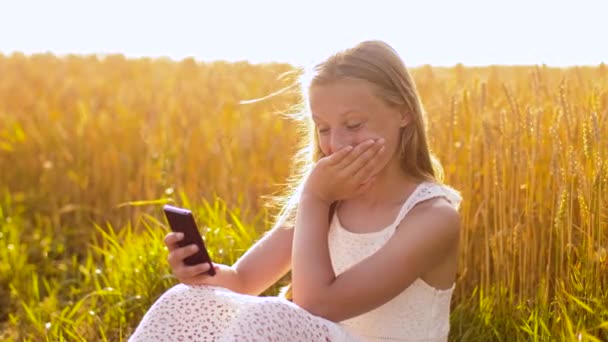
(91, 148)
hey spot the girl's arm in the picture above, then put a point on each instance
(431, 232)
(265, 262)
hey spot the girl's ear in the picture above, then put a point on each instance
(405, 118)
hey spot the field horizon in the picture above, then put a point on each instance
(91, 148)
(198, 59)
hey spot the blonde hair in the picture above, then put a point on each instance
(378, 64)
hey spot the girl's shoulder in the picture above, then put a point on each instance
(435, 212)
(434, 190)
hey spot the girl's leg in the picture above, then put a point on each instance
(186, 313)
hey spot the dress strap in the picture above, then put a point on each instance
(425, 191)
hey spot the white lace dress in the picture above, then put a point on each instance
(207, 313)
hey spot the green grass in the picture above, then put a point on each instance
(102, 294)
(91, 148)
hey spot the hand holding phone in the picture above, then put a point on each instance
(181, 221)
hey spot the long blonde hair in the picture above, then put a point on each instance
(380, 65)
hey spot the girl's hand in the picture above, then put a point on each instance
(225, 276)
(346, 173)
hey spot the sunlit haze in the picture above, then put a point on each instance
(556, 33)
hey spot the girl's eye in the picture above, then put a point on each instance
(323, 130)
(355, 126)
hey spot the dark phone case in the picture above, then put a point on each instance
(181, 220)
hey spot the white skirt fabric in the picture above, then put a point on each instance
(210, 313)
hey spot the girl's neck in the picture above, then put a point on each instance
(392, 186)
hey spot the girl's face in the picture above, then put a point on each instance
(349, 112)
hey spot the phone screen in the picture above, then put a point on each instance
(181, 220)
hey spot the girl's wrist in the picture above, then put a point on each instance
(236, 281)
(315, 196)
(228, 278)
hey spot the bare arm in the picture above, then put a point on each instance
(416, 248)
(260, 267)
(265, 262)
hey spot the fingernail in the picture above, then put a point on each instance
(194, 248)
(180, 235)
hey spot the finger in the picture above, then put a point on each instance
(355, 153)
(366, 168)
(339, 155)
(200, 274)
(172, 239)
(364, 158)
(194, 271)
(177, 256)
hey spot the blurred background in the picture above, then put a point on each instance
(108, 110)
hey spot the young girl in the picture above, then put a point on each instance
(382, 267)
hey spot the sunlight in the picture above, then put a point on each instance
(300, 32)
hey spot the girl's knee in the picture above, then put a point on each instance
(181, 289)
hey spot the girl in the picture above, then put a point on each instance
(382, 267)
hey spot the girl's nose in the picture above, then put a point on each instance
(339, 141)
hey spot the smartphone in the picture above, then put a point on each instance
(181, 220)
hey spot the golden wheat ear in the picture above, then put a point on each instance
(286, 293)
